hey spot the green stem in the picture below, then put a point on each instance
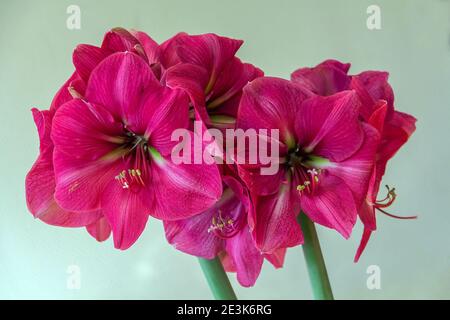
(317, 270)
(217, 279)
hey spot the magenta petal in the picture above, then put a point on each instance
(247, 258)
(151, 47)
(127, 213)
(40, 189)
(277, 257)
(192, 79)
(183, 190)
(331, 205)
(275, 220)
(119, 40)
(362, 245)
(118, 82)
(325, 79)
(63, 95)
(163, 110)
(271, 103)
(376, 84)
(231, 81)
(86, 58)
(356, 171)
(192, 236)
(329, 126)
(209, 51)
(43, 121)
(100, 229)
(86, 154)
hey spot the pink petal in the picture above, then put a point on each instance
(271, 103)
(325, 79)
(231, 81)
(169, 56)
(118, 83)
(275, 220)
(192, 236)
(151, 47)
(209, 51)
(184, 190)
(192, 79)
(127, 213)
(356, 170)
(247, 258)
(100, 229)
(86, 58)
(63, 95)
(277, 257)
(119, 40)
(362, 245)
(86, 154)
(331, 205)
(43, 122)
(376, 84)
(329, 126)
(163, 110)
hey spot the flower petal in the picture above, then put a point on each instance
(247, 258)
(127, 213)
(331, 205)
(271, 103)
(362, 245)
(327, 78)
(192, 236)
(184, 190)
(86, 154)
(209, 51)
(118, 82)
(356, 170)
(86, 58)
(100, 229)
(275, 220)
(329, 126)
(40, 189)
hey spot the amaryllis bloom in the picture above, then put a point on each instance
(377, 108)
(326, 160)
(223, 230)
(40, 181)
(112, 151)
(207, 68)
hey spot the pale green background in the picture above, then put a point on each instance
(413, 44)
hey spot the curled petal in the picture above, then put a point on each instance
(99, 230)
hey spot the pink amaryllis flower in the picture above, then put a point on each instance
(223, 230)
(112, 151)
(377, 108)
(326, 160)
(205, 66)
(40, 181)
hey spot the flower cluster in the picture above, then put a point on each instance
(105, 149)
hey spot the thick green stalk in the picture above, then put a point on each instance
(317, 270)
(217, 279)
